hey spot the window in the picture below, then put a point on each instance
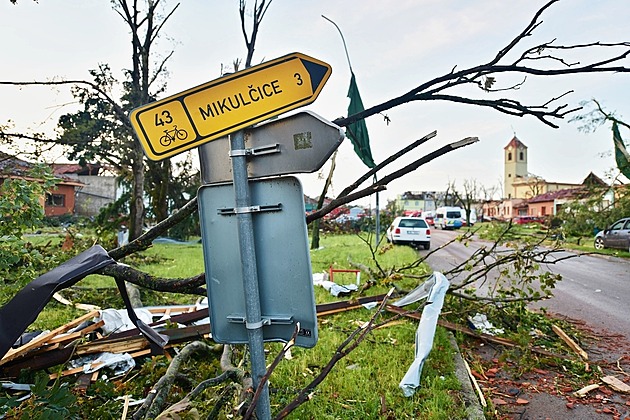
(56, 200)
(510, 156)
(618, 225)
(521, 156)
(543, 211)
(412, 223)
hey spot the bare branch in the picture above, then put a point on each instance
(481, 74)
(342, 351)
(381, 184)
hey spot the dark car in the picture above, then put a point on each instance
(616, 236)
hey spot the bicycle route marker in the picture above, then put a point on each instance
(212, 110)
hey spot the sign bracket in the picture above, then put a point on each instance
(256, 151)
(230, 211)
(266, 320)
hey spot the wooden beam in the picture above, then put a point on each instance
(44, 338)
(574, 346)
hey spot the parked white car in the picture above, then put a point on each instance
(412, 231)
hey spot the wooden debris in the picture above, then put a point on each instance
(66, 338)
(43, 339)
(482, 399)
(486, 337)
(84, 307)
(616, 384)
(574, 346)
(581, 393)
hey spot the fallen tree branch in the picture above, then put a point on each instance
(342, 351)
(287, 346)
(382, 183)
(191, 285)
(156, 398)
(145, 240)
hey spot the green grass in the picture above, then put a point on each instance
(362, 385)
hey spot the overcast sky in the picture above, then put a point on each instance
(394, 46)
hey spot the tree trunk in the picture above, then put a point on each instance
(137, 197)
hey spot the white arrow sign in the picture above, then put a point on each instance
(300, 143)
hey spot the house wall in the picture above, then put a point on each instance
(98, 192)
(413, 205)
(542, 208)
(511, 208)
(62, 201)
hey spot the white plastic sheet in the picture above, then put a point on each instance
(425, 332)
(120, 363)
(117, 320)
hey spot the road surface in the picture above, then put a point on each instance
(594, 289)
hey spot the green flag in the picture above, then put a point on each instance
(357, 132)
(622, 157)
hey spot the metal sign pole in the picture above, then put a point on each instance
(253, 320)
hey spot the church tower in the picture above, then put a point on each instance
(514, 164)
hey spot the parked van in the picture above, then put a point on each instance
(473, 217)
(448, 218)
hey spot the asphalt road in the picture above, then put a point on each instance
(594, 289)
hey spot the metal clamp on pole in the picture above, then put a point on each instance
(256, 151)
(230, 211)
(266, 320)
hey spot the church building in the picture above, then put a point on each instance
(518, 182)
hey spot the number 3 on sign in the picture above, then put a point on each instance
(298, 78)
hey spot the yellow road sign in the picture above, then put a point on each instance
(214, 109)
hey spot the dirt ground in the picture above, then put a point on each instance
(548, 393)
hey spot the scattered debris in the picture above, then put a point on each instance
(581, 393)
(482, 399)
(574, 346)
(480, 322)
(616, 384)
(321, 279)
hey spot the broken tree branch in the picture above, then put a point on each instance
(156, 398)
(342, 351)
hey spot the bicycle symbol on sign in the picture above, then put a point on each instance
(171, 135)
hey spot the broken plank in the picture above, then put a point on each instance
(581, 393)
(616, 384)
(482, 399)
(78, 334)
(43, 339)
(69, 372)
(574, 346)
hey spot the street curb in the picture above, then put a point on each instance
(474, 411)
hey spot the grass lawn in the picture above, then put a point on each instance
(364, 384)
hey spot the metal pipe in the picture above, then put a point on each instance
(253, 316)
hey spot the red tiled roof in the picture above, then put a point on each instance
(554, 195)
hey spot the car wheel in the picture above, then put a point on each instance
(427, 246)
(599, 243)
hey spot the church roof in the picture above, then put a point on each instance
(515, 143)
